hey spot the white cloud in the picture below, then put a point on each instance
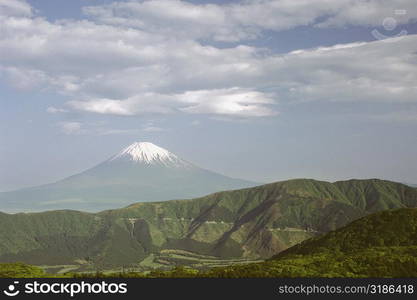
(70, 127)
(22, 78)
(374, 71)
(55, 110)
(246, 19)
(104, 106)
(173, 17)
(138, 104)
(232, 102)
(15, 8)
(371, 13)
(91, 128)
(111, 68)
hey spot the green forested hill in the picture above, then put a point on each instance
(249, 223)
(393, 228)
(383, 244)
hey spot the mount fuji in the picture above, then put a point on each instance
(141, 172)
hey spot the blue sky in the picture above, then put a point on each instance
(261, 90)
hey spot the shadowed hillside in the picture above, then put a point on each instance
(383, 244)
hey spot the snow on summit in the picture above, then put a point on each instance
(151, 154)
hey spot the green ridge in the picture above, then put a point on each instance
(383, 244)
(249, 224)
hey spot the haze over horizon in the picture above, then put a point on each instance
(258, 90)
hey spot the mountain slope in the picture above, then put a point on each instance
(390, 228)
(249, 223)
(383, 244)
(140, 172)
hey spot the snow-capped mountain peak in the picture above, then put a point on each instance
(150, 154)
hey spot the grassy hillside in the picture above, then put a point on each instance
(20, 270)
(383, 244)
(393, 228)
(225, 227)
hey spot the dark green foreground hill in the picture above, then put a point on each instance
(253, 223)
(383, 244)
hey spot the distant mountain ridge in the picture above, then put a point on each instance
(249, 223)
(140, 172)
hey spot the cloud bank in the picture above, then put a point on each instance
(138, 57)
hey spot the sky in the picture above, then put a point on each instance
(263, 90)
